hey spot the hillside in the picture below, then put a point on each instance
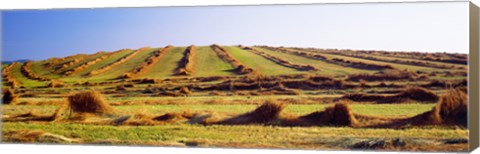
(263, 60)
(260, 96)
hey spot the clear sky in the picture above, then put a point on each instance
(426, 27)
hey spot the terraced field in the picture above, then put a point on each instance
(239, 96)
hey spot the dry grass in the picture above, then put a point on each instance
(89, 102)
(410, 93)
(390, 75)
(36, 136)
(266, 113)
(186, 64)
(339, 114)
(452, 109)
(419, 94)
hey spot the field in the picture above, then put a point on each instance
(243, 97)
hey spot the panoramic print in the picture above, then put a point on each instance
(373, 76)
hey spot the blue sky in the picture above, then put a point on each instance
(428, 27)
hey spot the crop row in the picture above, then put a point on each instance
(148, 63)
(116, 63)
(186, 65)
(240, 68)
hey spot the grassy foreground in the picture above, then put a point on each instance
(236, 136)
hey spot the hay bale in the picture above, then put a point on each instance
(343, 115)
(419, 94)
(453, 108)
(89, 102)
(339, 115)
(9, 97)
(264, 114)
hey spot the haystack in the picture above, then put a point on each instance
(453, 108)
(264, 114)
(419, 94)
(89, 102)
(339, 115)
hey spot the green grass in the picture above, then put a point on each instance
(259, 63)
(416, 60)
(119, 70)
(207, 63)
(325, 68)
(86, 60)
(384, 110)
(399, 66)
(167, 64)
(104, 62)
(234, 136)
(24, 81)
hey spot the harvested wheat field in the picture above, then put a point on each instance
(239, 96)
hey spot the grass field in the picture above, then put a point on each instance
(277, 105)
(207, 63)
(125, 67)
(384, 110)
(237, 136)
(325, 68)
(259, 63)
(167, 65)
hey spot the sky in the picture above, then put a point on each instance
(425, 27)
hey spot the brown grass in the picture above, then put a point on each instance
(419, 94)
(410, 93)
(390, 75)
(186, 64)
(264, 114)
(36, 136)
(89, 102)
(451, 110)
(9, 97)
(338, 115)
